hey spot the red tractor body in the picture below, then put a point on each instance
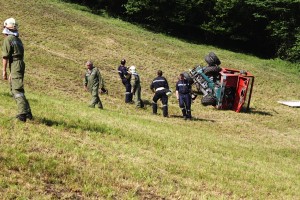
(236, 90)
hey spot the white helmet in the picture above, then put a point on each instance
(132, 69)
(11, 24)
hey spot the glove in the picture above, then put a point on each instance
(169, 92)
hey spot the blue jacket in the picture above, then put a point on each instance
(183, 87)
(159, 82)
(122, 70)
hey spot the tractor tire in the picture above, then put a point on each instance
(188, 77)
(212, 70)
(208, 100)
(212, 59)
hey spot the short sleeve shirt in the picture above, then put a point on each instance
(12, 46)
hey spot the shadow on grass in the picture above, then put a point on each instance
(258, 112)
(193, 119)
(78, 125)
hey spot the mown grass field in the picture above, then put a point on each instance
(71, 151)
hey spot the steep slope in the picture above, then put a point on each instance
(71, 151)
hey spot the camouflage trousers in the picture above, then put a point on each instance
(96, 99)
(17, 86)
(138, 101)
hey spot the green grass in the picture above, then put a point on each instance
(71, 151)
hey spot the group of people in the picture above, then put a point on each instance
(132, 83)
(13, 58)
(159, 87)
(131, 80)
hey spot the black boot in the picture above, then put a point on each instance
(29, 116)
(128, 98)
(100, 106)
(189, 115)
(184, 113)
(21, 117)
(154, 108)
(165, 111)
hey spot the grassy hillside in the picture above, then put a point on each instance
(71, 151)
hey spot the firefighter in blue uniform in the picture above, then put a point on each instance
(160, 87)
(125, 77)
(183, 94)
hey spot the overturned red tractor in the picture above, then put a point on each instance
(223, 88)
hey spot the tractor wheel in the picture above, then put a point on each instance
(188, 77)
(212, 59)
(208, 100)
(212, 70)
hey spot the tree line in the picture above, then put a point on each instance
(267, 28)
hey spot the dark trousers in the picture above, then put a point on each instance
(185, 101)
(164, 99)
(128, 94)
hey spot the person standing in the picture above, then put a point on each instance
(183, 94)
(13, 58)
(92, 82)
(125, 77)
(160, 88)
(136, 87)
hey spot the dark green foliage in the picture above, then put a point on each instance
(269, 28)
(113, 7)
(282, 25)
(270, 25)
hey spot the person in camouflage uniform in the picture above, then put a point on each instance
(92, 82)
(13, 58)
(136, 87)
